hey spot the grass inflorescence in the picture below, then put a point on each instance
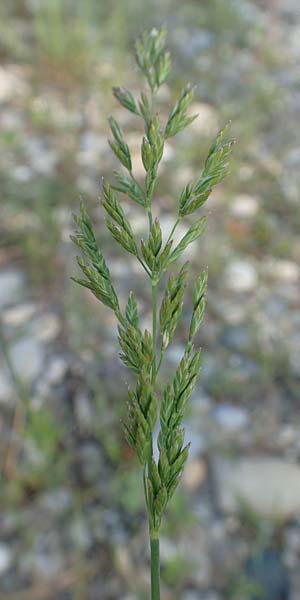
(143, 351)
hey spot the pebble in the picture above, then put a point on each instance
(240, 276)
(285, 271)
(244, 206)
(45, 328)
(191, 44)
(41, 158)
(56, 502)
(265, 567)
(57, 368)
(269, 486)
(92, 146)
(231, 418)
(292, 538)
(22, 173)
(237, 338)
(11, 120)
(27, 356)
(206, 122)
(196, 438)
(196, 546)
(201, 402)
(11, 287)
(194, 474)
(5, 558)
(190, 595)
(230, 312)
(245, 172)
(168, 550)
(91, 463)
(87, 185)
(84, 412)
(44, 564)
(197, 595)
(288, 435)
(123, 561)
(11, 83)
(80, 534)
(18, 315)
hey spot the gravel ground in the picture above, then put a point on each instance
(72, 515)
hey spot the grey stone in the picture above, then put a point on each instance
(80, 534)
(292, 546)
(195, 549)
(193, 42)
(195, 473)
(197, 595)
(44, 564)
(5, 558)
(18, 315)
(27, 356)
(22, 173)
(236, 338)
(11, 119)
(285, 271)
(230, 312)
(245, 206)
(83, 411)
(41, 158)
(45, 558)
(12, 83)
(45, 327)
(92, 146)
(168, 550)
(197, 439)
(206, 122)
(231, 418)
(56, 502)
(56, 370)
(190, 595)
(240, 276)
(91, 463)
(11, 287)
(270, 486)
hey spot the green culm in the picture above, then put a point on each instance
(143, 351)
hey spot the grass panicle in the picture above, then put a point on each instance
(141, 351)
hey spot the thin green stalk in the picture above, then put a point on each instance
(154, 329)
(144, 266)
(155, 567)
(160, 361)
(154, 536)
(173, 229)
(150, 218)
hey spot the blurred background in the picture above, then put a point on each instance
(72, 521)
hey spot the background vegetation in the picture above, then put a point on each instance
(72, 516)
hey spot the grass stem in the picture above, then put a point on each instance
(155, 567)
